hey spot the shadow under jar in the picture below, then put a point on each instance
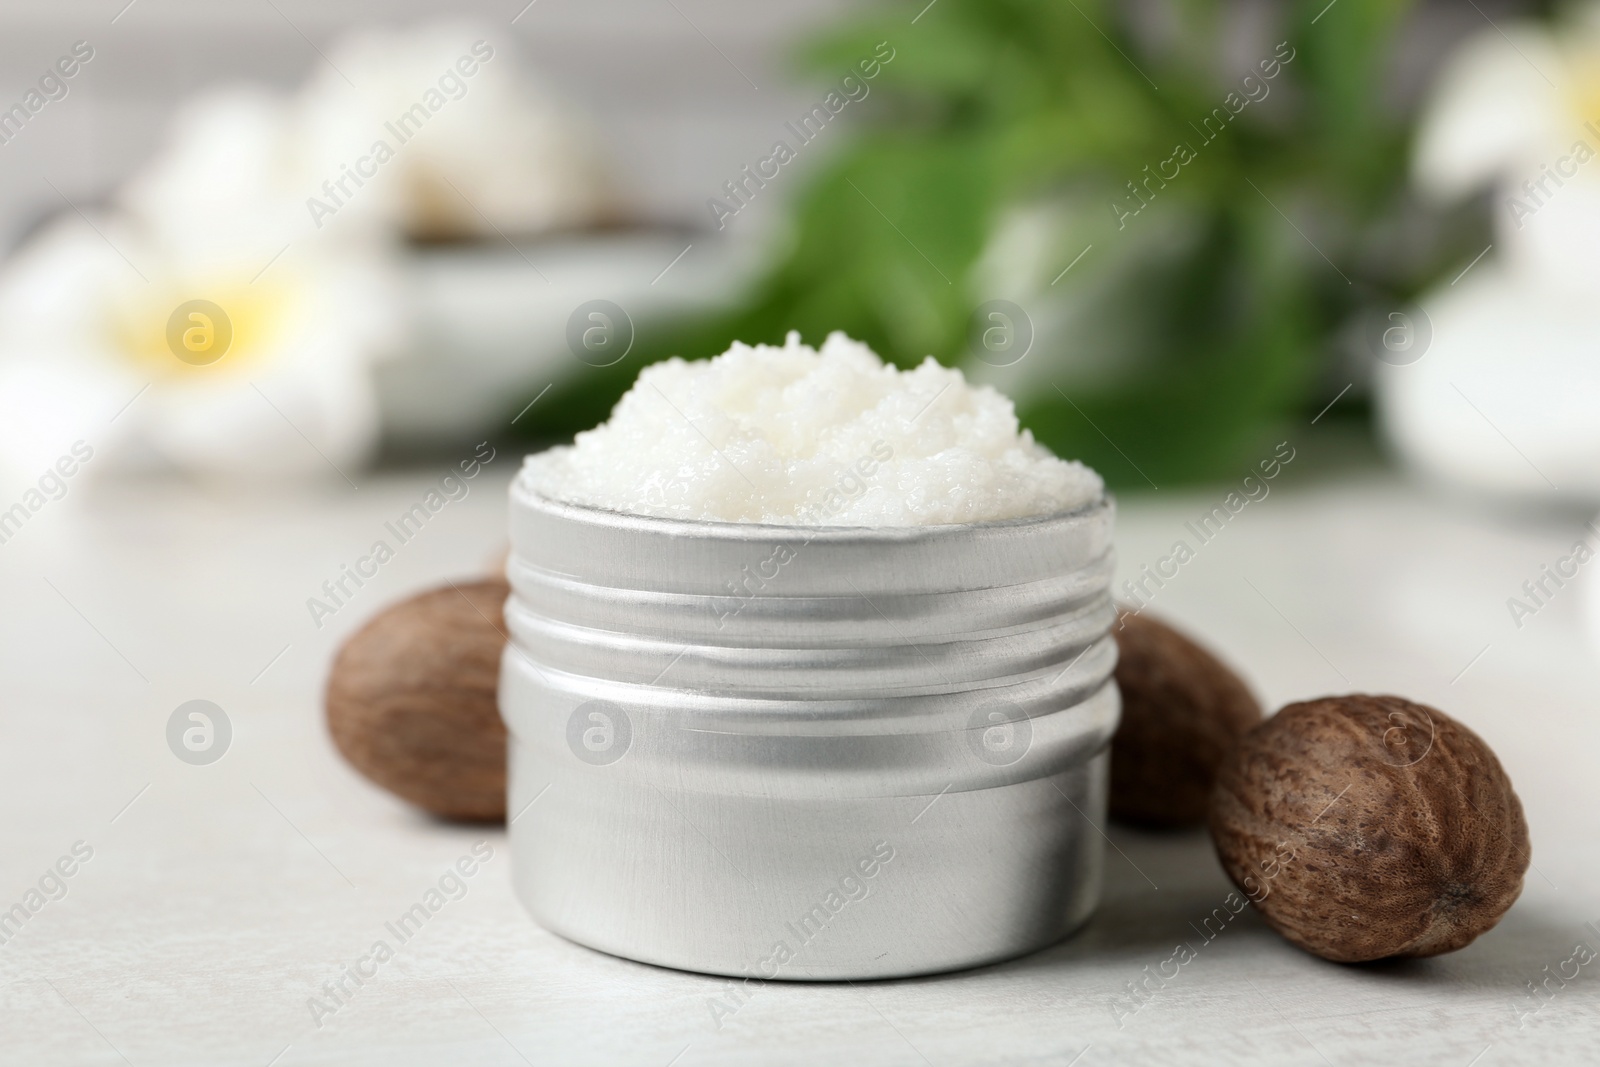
(807, 753)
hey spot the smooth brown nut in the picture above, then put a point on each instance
(1369, 826)
(411, 700)
(1182, 711)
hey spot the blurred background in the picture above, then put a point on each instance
(1167, 229)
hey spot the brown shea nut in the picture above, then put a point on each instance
(1369, 826)
(1182, 711)
(411, 700)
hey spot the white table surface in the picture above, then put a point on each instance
(221, 898)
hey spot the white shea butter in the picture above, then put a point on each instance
(819, 437)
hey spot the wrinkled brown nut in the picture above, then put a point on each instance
(1182, 711)
(411, 700)
(1369, 826)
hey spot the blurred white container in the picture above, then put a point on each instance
(490, 319)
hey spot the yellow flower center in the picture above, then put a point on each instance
(172, 330)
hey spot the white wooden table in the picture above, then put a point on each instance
(219, 899)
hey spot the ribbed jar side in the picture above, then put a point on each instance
(876, 662)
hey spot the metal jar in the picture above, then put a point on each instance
(782, 752)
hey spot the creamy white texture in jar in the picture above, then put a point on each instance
(796, 435)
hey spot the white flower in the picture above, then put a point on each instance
(230, 171)
(89, 349)
(100, 335)
(469, 145)
(1506, 400)
(98, 339)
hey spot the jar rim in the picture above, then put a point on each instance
(722, 529)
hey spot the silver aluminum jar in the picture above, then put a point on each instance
(785, 752)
